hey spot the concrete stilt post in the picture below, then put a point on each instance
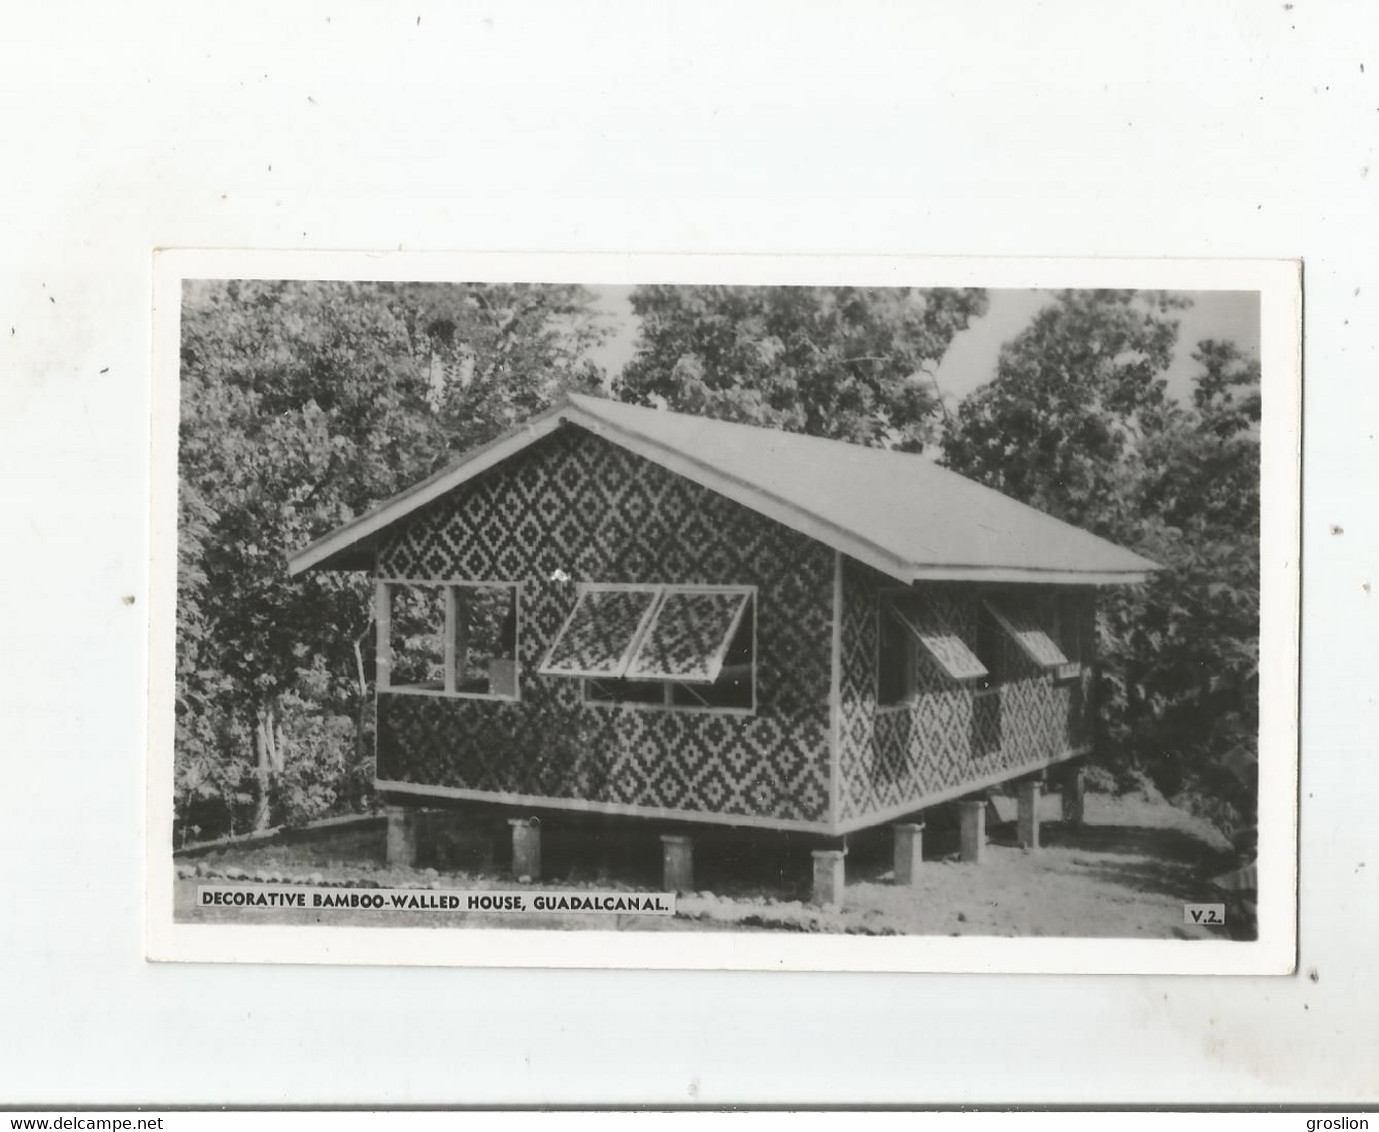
(677, 862)
(402, 836)
(909, 852)
(1027, 815)
(1071, 781)
(526, 848)
(972, 830)
(829, 879)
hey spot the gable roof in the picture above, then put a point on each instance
(895, 511)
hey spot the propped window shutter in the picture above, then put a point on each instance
(601, 633)
(689, 636)
(940, 640)
(1024, 629)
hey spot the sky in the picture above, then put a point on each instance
(971, 359)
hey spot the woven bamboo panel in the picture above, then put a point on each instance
(948, 735)
(577, 504)
(599, 634)
(689, 636)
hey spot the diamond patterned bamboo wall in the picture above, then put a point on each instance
(578, 504)
(945, 737)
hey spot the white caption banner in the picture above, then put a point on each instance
(273, 897)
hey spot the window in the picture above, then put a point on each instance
(990, 649)
(1021, 622)
(988, 730)
(895, 660)
(733, 686)
(911, 627)
(457, 639)
(484, 629)
(664, 646)
(689, 637)
(623, 691)
(417, 637)
(598, 637)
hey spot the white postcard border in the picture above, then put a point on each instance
(1274, 952)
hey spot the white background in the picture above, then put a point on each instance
(1060, 128)
(1275, 287)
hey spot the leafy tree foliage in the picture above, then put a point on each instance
(302, 405)
(852, 363)
(1074, 395)
(1187, 663)
(1078, 423)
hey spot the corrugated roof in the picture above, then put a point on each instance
(899, 512)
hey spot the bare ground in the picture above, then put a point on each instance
(1126, 873)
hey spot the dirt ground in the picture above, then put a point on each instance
(1126, 873)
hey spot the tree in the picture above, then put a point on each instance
(852, 363)
(1074, 395)
(302, 405)
(1188, 651)
(1078, 423)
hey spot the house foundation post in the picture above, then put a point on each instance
(909, 852)
(1027, 816)
(526, 848)
(972, 830)
(402, 836)
(677, 862)
(1071, 780)
(829, 877)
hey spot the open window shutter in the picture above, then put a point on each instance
(598, 637)
(939, 639)
(1025, 630)
(689, 636)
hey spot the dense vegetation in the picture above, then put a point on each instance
(850, 363)
(1078, 423)
(302, 405)
(306, 403)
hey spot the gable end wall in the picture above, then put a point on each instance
(579, 504)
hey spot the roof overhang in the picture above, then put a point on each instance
(354, 545)
(1001, 574)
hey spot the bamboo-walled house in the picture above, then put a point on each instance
(637, 612)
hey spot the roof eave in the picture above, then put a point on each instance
(353, 545)
(1030, 575)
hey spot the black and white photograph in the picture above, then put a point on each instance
(781, 609)
(716, 556)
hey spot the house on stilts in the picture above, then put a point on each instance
(629, 611)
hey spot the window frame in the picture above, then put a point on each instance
(666, 704)
(383, 657)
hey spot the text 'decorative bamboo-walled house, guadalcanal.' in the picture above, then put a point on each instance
(631, 611)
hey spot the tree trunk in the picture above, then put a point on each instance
(277, 749)
(361, 749)
(268, 764)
